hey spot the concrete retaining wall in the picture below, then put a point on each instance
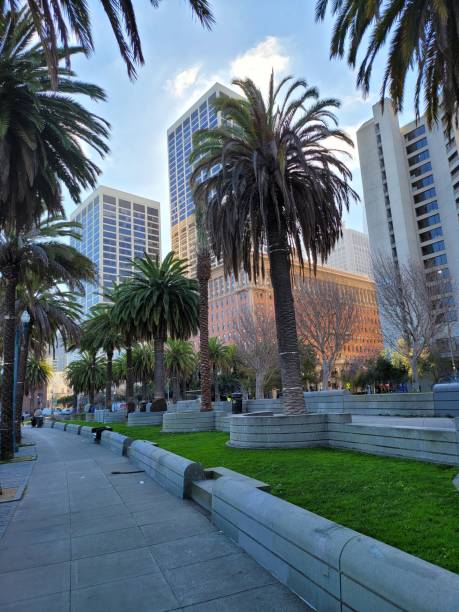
(382, 404)
(174, 473)
(446, 399)
(60, 425)
(145, 418)
(71, 428)
(106, 416)
(185, 406)
(332, 568)
(116, 442)
(222, 421)
(189, 421)
(86, 431)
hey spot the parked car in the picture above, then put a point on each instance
(66, 411)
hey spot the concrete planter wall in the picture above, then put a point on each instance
(116, 442)
(329, 566)
(145, 418)
(182, 422)
(176, 474)
(278, 431)
(71, 428)
(106, 416)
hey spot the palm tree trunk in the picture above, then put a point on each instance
(144, 390)
(160, 377)
(203, 273)
(287, 339)
(10, 278)
(175, 386)
(20, 385)
(216, 386)
(129, 380)
(108, 385)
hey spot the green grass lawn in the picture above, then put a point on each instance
(408, 504)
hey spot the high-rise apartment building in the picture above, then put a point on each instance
(410, 178)
(116, 227)
(352, 253)
(179, 144)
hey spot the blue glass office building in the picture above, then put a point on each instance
(116, 227)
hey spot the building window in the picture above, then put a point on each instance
(420, 144)
(439, 260)
(433, 248)
(426, 208)
(425, 195)
(421, 169)
(434, 219)
(431, 234)
(428, 180)
(418, 158)
(419, 131)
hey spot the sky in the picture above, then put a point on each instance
(182, 60)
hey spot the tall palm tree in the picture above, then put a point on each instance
(278, 187)
(37, 252)
(41, 132)
(422, 35)
(87, 375)
(57, 21)
(38, 375)
(219, 359)
(203, 275)
(101, 333)
(180, 360)
(41, 129)
(162, 301)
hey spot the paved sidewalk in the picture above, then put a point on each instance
(14, 475)
(86, 540)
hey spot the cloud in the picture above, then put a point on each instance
(256, 63)
(183, 81)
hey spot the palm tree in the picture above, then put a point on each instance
(203, 276)
(219, 359)
(41, 129)
(87, 374)
(161, 301)
(41, 132)
(180, 360)
(38, 252)
(420, 34)
(277, 188)
(101, 333)
(57, 21)
(38, 375)
(53, 313)
(143, 360)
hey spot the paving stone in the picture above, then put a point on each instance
(216, 578)
(99, 544)
(34, 582)
(32, 555)
(58, 602)
(271, 598)
(193, 550)
(100, 524)
(167, 531)
(36, 535)
(149, 593)
(114, 566)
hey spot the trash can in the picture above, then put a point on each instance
(236, 401)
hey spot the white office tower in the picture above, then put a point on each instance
(410, 178)
(116, 227)
(352, 253)
(179, 145)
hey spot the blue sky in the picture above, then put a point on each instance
(183, 60)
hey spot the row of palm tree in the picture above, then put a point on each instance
(156, 303)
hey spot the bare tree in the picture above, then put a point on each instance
(255, 338)
(413, 308)
(326, 314)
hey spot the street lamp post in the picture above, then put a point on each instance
(21, 330)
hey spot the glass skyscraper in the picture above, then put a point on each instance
(179, 145)
(116, 227)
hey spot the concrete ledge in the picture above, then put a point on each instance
(60, 425)
(116, 442)
(86, 431)
(49, 424)
(106, 416)
(75, 429)
(329, 566)
(176, 474)
(182, 422)
(145, 418)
